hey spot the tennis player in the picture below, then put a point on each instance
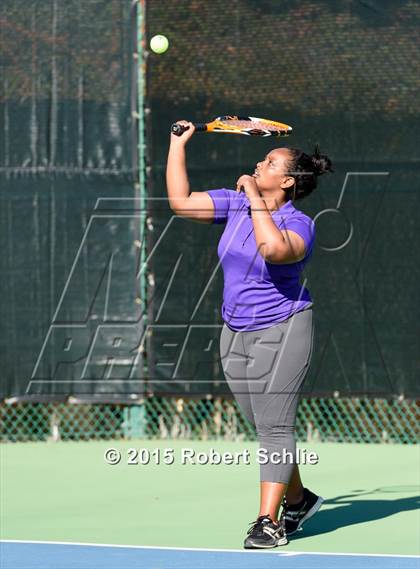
(267, 337)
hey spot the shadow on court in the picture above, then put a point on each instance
(351, 512)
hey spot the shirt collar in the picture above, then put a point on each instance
(286, 208)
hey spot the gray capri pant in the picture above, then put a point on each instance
(265, 370)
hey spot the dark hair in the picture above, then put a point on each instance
(305, 169)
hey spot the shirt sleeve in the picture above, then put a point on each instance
(303, 226)
(221, 201)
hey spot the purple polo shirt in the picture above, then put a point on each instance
(258, 294)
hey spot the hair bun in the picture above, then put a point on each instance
(321, 163)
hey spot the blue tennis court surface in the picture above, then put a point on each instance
(41, 555)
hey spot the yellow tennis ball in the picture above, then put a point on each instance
(159, 44)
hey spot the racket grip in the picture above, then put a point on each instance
(178, 129)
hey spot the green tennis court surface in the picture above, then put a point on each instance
(65, 492)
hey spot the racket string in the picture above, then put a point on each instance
(252, 124)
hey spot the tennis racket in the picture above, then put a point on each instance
(250, 126)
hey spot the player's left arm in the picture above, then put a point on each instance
(275, 245)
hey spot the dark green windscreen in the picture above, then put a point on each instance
(343, 74)
(67, 151)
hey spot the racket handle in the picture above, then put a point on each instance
(178, 129)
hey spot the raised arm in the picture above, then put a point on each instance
(197, 206)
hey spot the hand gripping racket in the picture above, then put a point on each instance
(250, 126)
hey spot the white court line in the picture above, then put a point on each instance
(204, 549)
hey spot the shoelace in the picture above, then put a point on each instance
(258, 526)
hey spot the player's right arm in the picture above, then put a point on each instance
(197, 206)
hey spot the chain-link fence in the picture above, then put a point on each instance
(333, 419)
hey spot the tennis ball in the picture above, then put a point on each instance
(159, 44)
